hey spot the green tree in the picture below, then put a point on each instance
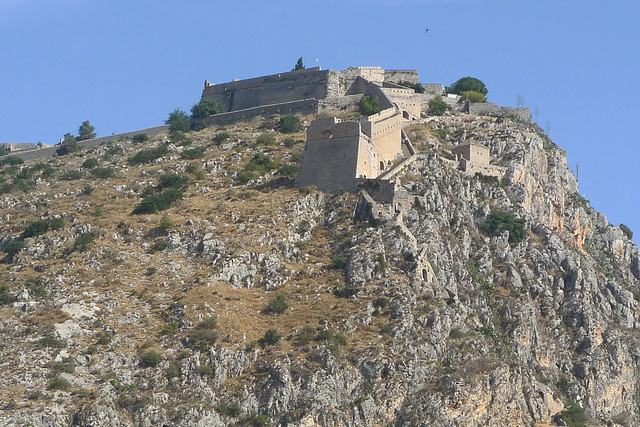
(369, 105)
(205, 108)
(627, 231)
(68, 145)
(499, 220)
(519, 100)
(474, 96)
(437, 106)
(86, 131)
(466, 84)
(178, 121)
(299, 65)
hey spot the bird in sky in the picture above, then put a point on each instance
(426, 31)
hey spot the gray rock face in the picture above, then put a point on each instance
(450, 324)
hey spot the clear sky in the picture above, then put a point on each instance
(125, 65)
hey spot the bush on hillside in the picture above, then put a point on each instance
(69, 145)
(206, 108)
(289, 124)
(627, 231)
(172, 180)
(473, 96)
(369, 105)
(90, 163)
(437, 106)
(158, 202)
(499, 220)
(140, 137)
(147, 156)
(178, 121)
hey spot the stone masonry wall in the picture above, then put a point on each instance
(396, 76)
(304, 107)
(44, 153)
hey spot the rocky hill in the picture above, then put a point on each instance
(185, 282)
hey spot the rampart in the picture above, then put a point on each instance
(305, 106)
(44, 153)
(272, 89)
(489, 108)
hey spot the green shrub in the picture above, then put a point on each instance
(289, 124)
(148, 156)
(500, 220)
(12, 248)
(193, 153)
(339, 261)
(57, 383)
(456, 333)
(140, 137)
(381, 303)
(467, 84)
(178, 121)
(151, 359)
(437, 106)
(36, 228)
(67, 365)
(102, 173)
(173, 371)
(202, 338)
(166, 223)
(474, 96)
(83, 242)
(369, 105)
(345, 292)
(290, 171)
(51, 342)
(573, 415)
(98, 211)
(56, 223)
(221, 137)
(11, 160)
(158, 202)
(4, 152)
(305, 335)
(415, 86)
(90, 163)
(87, 189)
(271, 337)
(179, 138)
(266, 139)
(25, 185)
(172, 180)
(277, 305)
(230, 409)
(206, 108)
(6, 297)
(627, 231)
(259, 165)
(69, 145)
(71, 175)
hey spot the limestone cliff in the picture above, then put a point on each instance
(424, 318)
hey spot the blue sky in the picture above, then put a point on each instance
(125, 65)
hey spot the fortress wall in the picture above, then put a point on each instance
(397, 76)
(406, 99)
(276, 88)
(216, 89)
(490, 170)
(19, 146)
(290, 89)
(380, 190)
(433, 88)
(373, 74)
(305, 106)
(44, 153)
(338, 105)
(368, 165)
(329, 164)
(327, 128)
(489, 108)
(387, 137)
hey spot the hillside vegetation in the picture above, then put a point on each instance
(184, 281)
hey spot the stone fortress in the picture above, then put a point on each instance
(343, 154)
